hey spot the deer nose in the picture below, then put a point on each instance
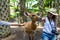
(39, 19)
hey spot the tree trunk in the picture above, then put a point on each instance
(41, 7)
(40, 10)
(57, 7)
(22, 10)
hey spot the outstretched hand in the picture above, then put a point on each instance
(23, 24)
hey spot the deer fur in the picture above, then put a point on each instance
(31, 26)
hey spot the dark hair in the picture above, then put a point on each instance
(53, 18)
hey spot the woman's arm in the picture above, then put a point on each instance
(10, 24)
(13, 24)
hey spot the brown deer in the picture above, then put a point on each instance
(31, 25)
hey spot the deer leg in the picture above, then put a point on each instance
(32, 35)
(25, 36)
(29, 36)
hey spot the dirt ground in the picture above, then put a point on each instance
(18, 34)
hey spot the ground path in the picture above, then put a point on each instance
(17, 33)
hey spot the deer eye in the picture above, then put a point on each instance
(33, 15)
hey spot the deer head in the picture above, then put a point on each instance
(34, 17)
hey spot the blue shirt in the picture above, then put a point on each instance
(47, 26)
(4, 23)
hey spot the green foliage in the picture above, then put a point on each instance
(28, 0)
(12, 1)
(48, 2)
(33, 10)
(14, 11)
(31, 6)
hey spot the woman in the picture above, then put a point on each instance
(49, 30)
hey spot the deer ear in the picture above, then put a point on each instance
(26, 14)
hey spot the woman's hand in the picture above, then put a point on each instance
(43, 19)
(23, 24)
(14, 24)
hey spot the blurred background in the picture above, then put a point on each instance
(13, 11)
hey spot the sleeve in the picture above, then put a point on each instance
(4, 23)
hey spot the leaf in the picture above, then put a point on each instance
(12, 1)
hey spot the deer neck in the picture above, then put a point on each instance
(33, 25)
(33, 22)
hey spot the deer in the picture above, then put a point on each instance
(31, 26)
